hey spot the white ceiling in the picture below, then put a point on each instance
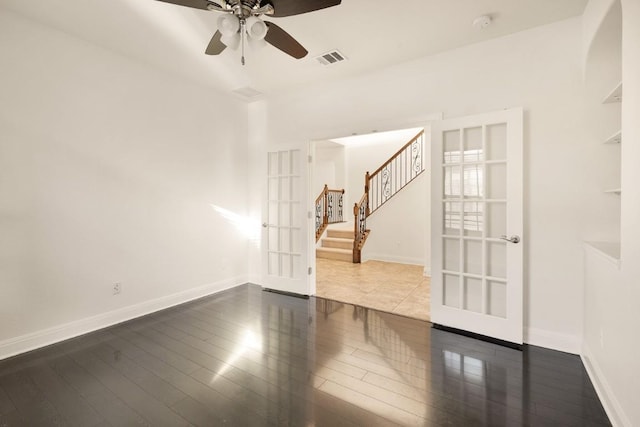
(372, 33)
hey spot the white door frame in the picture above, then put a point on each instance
(308, 147)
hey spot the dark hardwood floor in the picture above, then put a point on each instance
(246, 357)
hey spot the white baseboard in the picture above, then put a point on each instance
(393, 258)
(574, 345)
(35, 340)
(611, 405)
(255, 279)
(553, 340)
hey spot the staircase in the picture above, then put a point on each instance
(379, 187)
(338, 245)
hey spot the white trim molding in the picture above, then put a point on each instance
(39, 339)
(553, 340)
(612, 407)
(392, 258)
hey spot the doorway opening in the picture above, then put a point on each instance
(393, 274)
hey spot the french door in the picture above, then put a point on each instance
(285, 221)
(477, 253)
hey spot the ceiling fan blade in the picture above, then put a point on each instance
(297, 7)
(196, 4)
(215, 45)
(279, 38)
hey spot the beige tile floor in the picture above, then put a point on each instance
(395, 288)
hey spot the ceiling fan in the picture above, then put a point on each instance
(242, 22)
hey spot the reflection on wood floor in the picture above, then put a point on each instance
(396, 288)
(246, 357)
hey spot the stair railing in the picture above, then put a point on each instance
(329, 209)
(380, 186)
(394, 174)
(360, 231)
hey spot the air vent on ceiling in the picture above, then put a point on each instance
(330, 58)
(247, 92)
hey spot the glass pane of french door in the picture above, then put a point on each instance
(472, 255)
(284, 237)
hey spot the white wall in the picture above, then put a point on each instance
(108, 173)
(329, 167)
(399, 229)
(257, 164)
(540, 70)
(612, 317)
(626, 380)
(592, 18)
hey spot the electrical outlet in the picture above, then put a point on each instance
(117, 288)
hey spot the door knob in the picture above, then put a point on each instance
(513, 239)
(265, 225)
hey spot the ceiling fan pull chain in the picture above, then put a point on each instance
(242, 35)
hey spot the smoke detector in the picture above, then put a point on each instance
(482, 22)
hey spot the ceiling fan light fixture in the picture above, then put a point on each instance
(232, 41)
(256, 28)
(256, 44)
(233, 27)
(228, 25)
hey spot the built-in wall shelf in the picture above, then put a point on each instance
(616, 138)
(615, 95)
(608, 250)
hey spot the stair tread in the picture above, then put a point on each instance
(336, 250)
(335, 254)
(337, 239)
(333, 233)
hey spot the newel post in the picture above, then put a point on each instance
(356, 231)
